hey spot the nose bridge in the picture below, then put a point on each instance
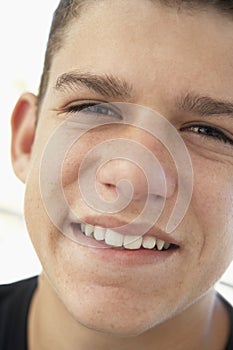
(151, 170)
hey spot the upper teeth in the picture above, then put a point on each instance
(115, 239)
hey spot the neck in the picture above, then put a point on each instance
(204, 325)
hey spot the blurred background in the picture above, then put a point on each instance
(24, 28)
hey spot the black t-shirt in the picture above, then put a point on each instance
(15, 300)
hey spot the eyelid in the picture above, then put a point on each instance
(75, 103)
(218, 128)
(92, 103)
(224, 136)
(73, 115)
(108, 105)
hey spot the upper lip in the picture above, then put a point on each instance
(115, 224)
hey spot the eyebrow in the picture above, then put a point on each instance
(205, 106)
(113, 87)
(104, 84)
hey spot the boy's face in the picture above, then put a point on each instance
(164, 56)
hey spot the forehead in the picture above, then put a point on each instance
(152, 46)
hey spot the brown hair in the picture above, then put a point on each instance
(68, 10)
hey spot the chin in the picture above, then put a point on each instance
(117, 318)
(115, 327)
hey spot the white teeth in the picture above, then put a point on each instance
(148, 242)
(160, 244)
(113, 238)
(167, 246)
(99, 233)
(89, 230)
(132, 242)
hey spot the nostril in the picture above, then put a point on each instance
(107, 192)
(109, 185)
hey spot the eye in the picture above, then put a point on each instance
(210, 133)
(95, 109)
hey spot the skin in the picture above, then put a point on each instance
(81, 301)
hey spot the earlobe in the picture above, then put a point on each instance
(23, 125)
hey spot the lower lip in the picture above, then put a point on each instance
(122, 256)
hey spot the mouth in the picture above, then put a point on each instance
(112, 239)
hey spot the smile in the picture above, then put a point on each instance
(114, 239)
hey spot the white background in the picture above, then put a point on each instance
(24, 28)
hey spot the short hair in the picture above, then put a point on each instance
(68, 10)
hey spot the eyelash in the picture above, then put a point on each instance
(205, 131)
(87, 106)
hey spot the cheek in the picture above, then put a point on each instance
(38, 223)
(44, 235)
(82, 152)
(212, 204)
(71, 164)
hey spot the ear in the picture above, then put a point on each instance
(23, 125)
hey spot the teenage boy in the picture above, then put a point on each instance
(99, 290)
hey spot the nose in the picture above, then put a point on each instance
(150, 171)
